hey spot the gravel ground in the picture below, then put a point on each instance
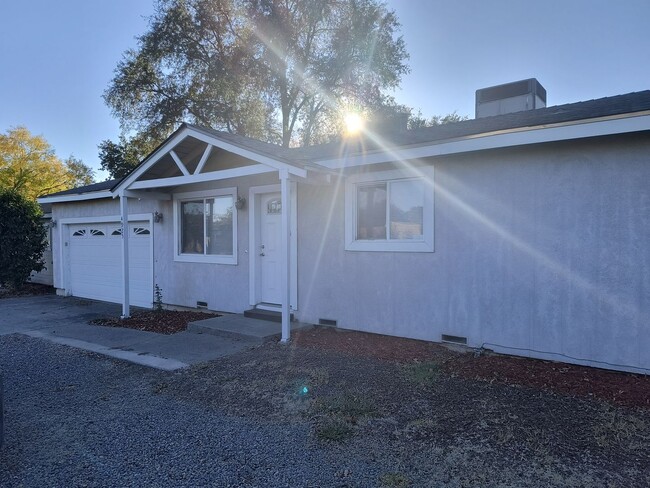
(77, 419)
(272, 417)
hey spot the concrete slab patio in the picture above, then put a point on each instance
(239, 327)
(65, 320)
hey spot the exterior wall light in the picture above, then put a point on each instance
(157, 217)
(240, 203)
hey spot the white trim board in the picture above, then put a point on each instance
(76, 197)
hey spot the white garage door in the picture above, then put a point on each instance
(95, 259)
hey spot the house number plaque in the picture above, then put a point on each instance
(274, 206)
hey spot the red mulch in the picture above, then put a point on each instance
(627, 389)
(362, 344)
(161, 322)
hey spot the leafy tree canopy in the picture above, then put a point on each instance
(277, 70)
(22, 238)
(119, 158)
(29, 166)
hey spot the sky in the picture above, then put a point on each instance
(57, 57)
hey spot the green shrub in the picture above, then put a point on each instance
(22, 239)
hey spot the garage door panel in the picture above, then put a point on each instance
(96, 262)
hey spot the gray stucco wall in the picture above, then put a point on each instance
(223, 287)
(539, 251)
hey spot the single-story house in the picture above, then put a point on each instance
(525, 230)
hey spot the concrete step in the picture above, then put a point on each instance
(261, 314)
(235, 326)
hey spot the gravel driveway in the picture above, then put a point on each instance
(272, 417)
(78, 419)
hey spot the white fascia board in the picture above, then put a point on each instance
(200, 178)
(501, 139)
(76, 197)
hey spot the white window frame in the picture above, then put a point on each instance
(426, 244)
(204, 258)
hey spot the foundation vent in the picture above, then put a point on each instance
(201, 304)
(454, 339)
(327, 322)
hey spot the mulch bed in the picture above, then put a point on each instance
(27, 289)
(161, 322)
(627, 389)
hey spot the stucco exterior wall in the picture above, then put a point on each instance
(539, 251)
(223, 287)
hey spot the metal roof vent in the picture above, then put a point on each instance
(511, 97)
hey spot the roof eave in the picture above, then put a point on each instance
(577, 129)
(76, 197)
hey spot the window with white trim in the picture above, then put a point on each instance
(389, 211)
(205, 226)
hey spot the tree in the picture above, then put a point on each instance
(29, 165)
(119, 158)
(275, 70)
(417, 121)
(80, 174)
(22, 238)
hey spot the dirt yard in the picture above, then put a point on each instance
(442, 418)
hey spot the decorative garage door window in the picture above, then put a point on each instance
(79, 233)
(117, 231)
(274, 206)
(141, 231)
(96, 232)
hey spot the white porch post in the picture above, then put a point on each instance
(285, 189)
(124, 215)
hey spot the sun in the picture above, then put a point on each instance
(353, 123)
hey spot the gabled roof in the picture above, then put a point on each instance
(603, 107)
(580, 112)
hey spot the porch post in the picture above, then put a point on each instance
(285, 261)
(124, 215)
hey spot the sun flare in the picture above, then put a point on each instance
(353, 123)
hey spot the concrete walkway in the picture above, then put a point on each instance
(64, 320)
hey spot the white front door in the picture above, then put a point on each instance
(269, 249)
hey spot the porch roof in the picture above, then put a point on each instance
(187, 167)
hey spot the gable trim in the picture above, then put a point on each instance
(184, 131)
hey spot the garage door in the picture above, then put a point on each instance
(95, 259)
